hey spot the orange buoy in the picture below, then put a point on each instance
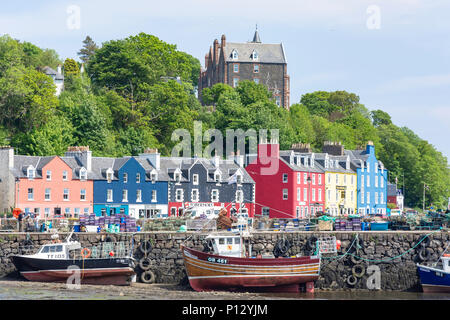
(111, 253)
(338, 244)
(85, 253)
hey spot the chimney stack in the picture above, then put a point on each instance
(301, 147)
(153, 156)
(82, 153)
(333, 148)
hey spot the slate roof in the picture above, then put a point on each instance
(319, 160)
(51, 72)
(267, 53)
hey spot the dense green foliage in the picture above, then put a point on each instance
(137, 91)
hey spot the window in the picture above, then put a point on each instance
(351, 196)
(76, 212)
(278, 100)
(381, 197)
(83, 194)
(217, 177)
(109, 175)
(49, 175)
(368, 181)
(299, 177)
(37, 212)
(125, 177)
(352, 179)
(320, 179)
(153, 176)
(179, 195)
(297, 212)
(235, 82)
(86, 211)
(362, 196)
(66, 194)
(305, 194)
(238, 178)
(103, 212)
(256, 80)
(67, 212)
(177, 177)
(305, 178)
(138, 178)
(298, 194)
(83, 174)
(319, 195)
(256, 68)
(215, 195)
(329, 195)
(125, 195)
(381, 182)
(239, 196)
(313, 179)
(285, 194)
(195, 179)
(362, 181)
(235, 68)
(109, 195)
(368, 197)
(64, 175)
(376, 182)
(345, 179)
(47, 195)
(154, 196)
(254, 55)
(313, 194)
(337, 178)
(376, 197)
(265, 211)
(138, 195)
(285, 177)
(234, 54)
(194, 195)
(47, 212)
(329, 178)
(30, 172)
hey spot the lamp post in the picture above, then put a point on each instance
(425, 186)
(309, 197)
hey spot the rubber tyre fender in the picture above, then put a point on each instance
(145, 246)
(361, 272)
(354, 259)
(311, 242)
(132, 263)
(145, 263)
(424, 254)
(110, 239)
(425, 241)
(148, 277)
(352, 280)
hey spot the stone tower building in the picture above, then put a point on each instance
(231, 62)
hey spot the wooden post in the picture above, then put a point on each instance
(310, 287)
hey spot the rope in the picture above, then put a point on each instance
(382, 260)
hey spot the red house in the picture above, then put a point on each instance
(288, 185)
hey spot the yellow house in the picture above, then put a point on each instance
(340, 185)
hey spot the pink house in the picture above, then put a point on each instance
(52, 186)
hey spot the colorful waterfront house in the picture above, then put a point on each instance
(204, 186)
(395, 196)
(48, 187)
(372, 181)
(129, 185)
(288, 184)
(339, 176)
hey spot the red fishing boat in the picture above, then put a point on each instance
(231, 267)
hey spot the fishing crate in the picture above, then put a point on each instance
(325, 225)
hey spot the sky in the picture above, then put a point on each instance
(394, 54)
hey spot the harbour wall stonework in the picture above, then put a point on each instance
(387, 259)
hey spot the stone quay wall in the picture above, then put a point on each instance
(388, 258)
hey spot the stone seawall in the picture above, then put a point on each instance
(394, 254)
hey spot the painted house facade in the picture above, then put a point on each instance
(205, 186)
(289, 185)
(46, 186)
(131, 186)
(372, 181)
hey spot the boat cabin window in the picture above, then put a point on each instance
(229, 240)
(58, 248)
(221, 241)
(237, 241)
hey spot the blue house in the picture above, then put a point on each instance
(372, 180)
(130, 185)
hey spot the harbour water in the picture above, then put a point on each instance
(25, 290)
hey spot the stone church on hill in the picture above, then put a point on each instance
(231, 62)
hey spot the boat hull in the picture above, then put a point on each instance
(434, 280)
(114, 271)
(208, 272)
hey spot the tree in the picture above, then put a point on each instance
(71, 68)
(380, 117)
(88, 50)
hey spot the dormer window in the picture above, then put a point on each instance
(138, 178)
(153, 176)
(234, 54)
(109, 175)
(177, 177)
(254, 55)
(64, 175)
(217, 177)
(31, 172)
(83, 174)
(239, 178)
